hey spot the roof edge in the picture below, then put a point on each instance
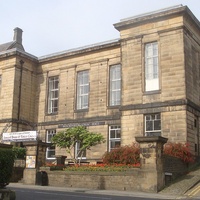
(79, 50)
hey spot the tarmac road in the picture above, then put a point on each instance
(33, 192)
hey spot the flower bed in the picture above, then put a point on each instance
(102, 167)
(90, 168)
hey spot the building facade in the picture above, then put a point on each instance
(146, 83)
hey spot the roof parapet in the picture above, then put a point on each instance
(151, 15)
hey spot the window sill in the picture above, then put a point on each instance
(49, 114)
(81, 110)
(114, 107)
(152, 92)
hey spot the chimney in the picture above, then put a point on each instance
(18, 35)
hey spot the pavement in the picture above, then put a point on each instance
(183, 184)
(177, 190)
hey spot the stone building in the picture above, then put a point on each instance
(145, 83)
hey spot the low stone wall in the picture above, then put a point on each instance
(149, 177)
(132, 180)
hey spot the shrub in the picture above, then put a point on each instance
(179, 150)
(6, 166)
(123, 155)
(19, 152)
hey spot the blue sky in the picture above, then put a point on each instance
(51, 26)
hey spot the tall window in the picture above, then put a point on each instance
(53, 94)
(115, 85)
(153, 125)
(114, 137)
(78, 152)
(50, 152)
(151, 67)
(82, 90)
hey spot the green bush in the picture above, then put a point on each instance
(6, 165)
(19, 152)
(123, 155)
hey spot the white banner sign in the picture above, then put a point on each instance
(20, 136)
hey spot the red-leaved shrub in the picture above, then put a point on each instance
(123, 155)
(131, 154)
(179, 150)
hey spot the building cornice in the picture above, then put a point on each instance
(18, 52)
(147, 17)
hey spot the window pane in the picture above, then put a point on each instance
(116, 85)
(149, 126)
(56, 94)
(55, 105)
(85, 89)
(112, 134)
(157, 116)
(49, 138)
(115, 144)
(112, 144)
(155, 49)
(157, 125)
(118, 134)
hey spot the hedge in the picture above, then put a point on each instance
(6, 165)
